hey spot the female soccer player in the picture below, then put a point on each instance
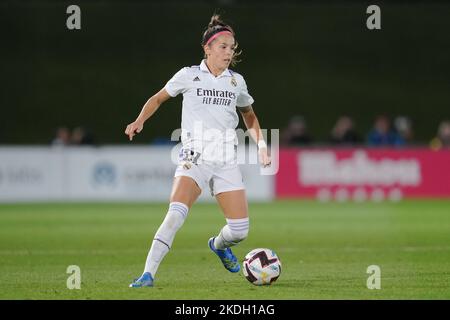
(211, 94)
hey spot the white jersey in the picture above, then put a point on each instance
(209, 116)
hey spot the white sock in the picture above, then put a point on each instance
(234, 232)
(162, 242)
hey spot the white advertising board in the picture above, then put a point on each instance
(109, 173)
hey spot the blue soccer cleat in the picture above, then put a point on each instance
(229, 260)
(146, 280)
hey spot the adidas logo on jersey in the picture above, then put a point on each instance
(196, 79)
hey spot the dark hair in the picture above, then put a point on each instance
(215, 26)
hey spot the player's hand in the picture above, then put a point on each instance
(133, 129)
(264, 158)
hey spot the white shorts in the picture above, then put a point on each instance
(219, 179)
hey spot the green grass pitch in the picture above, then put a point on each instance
(325, 249)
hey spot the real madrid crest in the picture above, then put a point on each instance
(233, 82)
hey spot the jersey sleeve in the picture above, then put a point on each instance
(177, 84)
(244, 99)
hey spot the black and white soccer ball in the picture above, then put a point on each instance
(261, 266)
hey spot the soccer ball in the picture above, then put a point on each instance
(261, 266)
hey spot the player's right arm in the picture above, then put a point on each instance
(147, 111)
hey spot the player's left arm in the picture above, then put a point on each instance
(252, 124)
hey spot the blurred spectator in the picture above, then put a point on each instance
(81, 136)
(383, 135)
(62, 137)
(442, 140)
(343, 132)
(296, 133)
(403, 126)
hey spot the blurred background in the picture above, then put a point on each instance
(317, 74)
(312, 59)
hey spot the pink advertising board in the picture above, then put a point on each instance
(360, 174)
